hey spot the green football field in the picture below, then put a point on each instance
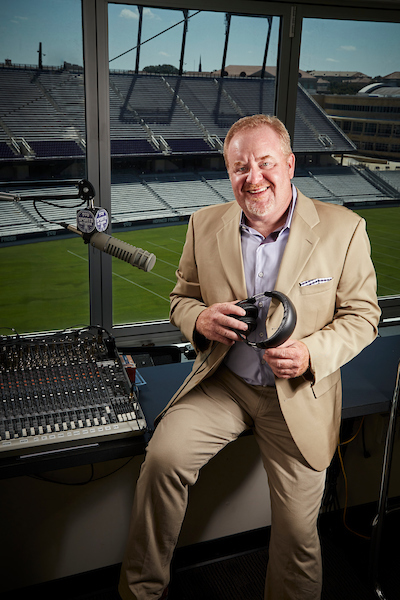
(383, 225)
(44, 285)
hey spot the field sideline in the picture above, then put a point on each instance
(45, 285)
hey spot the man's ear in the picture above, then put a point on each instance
(291, 165)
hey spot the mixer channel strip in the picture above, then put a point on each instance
(63, 390)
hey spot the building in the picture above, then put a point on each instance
(308, 81)
(370, 118)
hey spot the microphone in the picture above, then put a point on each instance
(137, 257)
(93, 218)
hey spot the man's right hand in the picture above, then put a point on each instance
(216, 324)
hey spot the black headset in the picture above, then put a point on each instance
(284, 330)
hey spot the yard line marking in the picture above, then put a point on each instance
(162, 277)
(167, 263)
(164, 248)
(77, 255)
(132, 282)
(142, 287)
(178, 241)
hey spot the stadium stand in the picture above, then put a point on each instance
(157, 198)
(42, 118)
(390, 177)
(149, 114)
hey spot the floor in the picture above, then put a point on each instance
(234, 568)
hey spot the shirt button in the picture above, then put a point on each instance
(261, 334)
(261, 274)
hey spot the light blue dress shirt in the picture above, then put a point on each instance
(261, 260)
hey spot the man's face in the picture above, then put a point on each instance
(260, 174)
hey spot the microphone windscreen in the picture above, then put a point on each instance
(137, 257)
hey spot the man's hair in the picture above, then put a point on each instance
(255, 121)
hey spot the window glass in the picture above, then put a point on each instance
(43, 271)
(170, 109)
(354, 65)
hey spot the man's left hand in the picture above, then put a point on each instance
(290, 359)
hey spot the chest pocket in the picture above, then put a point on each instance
(316, 305)
(316, 286)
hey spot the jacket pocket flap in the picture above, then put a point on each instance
(321, 387)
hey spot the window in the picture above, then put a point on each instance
(347, 52)
(44, 273)
(144, 123)
(170, 109)
(370, 128)
(384, 129)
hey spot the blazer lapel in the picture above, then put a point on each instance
(300, 246)
(230, 251)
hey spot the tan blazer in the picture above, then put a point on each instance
(336, 319)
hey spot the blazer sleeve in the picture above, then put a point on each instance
(356, 316)
(186, 298)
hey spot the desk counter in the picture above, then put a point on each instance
(368, 383)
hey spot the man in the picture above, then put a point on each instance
(272, 237)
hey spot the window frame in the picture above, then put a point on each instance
(95, 36)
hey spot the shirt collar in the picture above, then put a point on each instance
(288, 221)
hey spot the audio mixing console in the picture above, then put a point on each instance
(64, 389)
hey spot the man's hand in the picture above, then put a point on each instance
(290, 359)
(215, 324)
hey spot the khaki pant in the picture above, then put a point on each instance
(190, 434)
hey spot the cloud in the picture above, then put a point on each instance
(331, 60)
(17, 19)
(126, 13)
(164, 53)
(348, 48)
(148, 13)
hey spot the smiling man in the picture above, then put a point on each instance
(260, 165)
(271, 238)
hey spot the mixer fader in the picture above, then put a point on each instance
(62, 389)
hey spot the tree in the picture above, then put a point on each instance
(164, 69)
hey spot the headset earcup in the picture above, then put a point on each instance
(250, 318)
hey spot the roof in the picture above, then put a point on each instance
(344, 74)
(255, 71)
(380, 90)
(394, 75)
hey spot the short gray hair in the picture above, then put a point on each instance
(254, 121)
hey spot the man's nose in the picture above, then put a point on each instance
(254, 174)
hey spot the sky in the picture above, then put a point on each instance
(327, 45)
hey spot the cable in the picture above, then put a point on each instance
(54, 204)
(340, 444)
(154, 36)
(354, 436)
(91, 479)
